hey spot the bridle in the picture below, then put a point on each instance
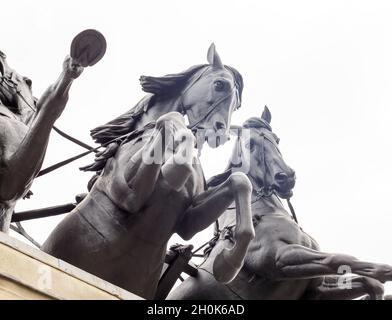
(13, 83)
(266, 137)
(262, 192)
(212, 108)
(228, 229)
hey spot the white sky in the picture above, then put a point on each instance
(323, 68)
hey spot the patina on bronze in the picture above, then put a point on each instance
(283, 262)
(120, 230)
(26, 124)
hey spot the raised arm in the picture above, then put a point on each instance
(22, 159)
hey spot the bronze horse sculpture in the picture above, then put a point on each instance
(283, 262)
(26, 122)
(120, 230)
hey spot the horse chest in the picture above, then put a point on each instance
(166, 205)
(193, 186)
(156, 222)
(271, 228)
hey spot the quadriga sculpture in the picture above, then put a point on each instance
(120, 230)
(283, 262)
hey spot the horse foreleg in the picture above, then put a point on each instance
(178, 168)
(146, 164)
(208, 207)
(296, 262)
(346, 288)
(141, 175)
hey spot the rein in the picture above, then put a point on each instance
(7, 83)
(228, 236)
(213, 106)
(13, 84)
(219, 231)
(259, 195)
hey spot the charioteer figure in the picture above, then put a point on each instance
(26, 122)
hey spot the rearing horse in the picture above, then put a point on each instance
(283, 262)
(120, 230)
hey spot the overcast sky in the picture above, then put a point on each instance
(323, 67)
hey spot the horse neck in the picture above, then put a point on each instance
(270, 205)
(159, 108)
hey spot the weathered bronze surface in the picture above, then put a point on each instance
(26, 122)
(283, 261)
(120, 231)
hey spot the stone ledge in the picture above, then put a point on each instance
(28, 273)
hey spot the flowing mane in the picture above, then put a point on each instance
(158, 88)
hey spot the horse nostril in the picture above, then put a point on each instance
(281, 177)
(219, 125)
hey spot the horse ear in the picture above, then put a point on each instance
(266, 115)
(213, 57)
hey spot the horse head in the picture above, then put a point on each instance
(206, 93)
(257, 154)
(15, 90)
(209, 99)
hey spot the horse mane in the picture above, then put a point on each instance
(251, 123)
(158, 88)
(257, 123)
(102, 157)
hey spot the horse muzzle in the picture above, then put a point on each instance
(284, 184)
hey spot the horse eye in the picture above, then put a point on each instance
(28, 82)
(277, 140)
(219, 85)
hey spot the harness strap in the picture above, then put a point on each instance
(292, 211)
(212, 108)
(72, 139)
(81, 155)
